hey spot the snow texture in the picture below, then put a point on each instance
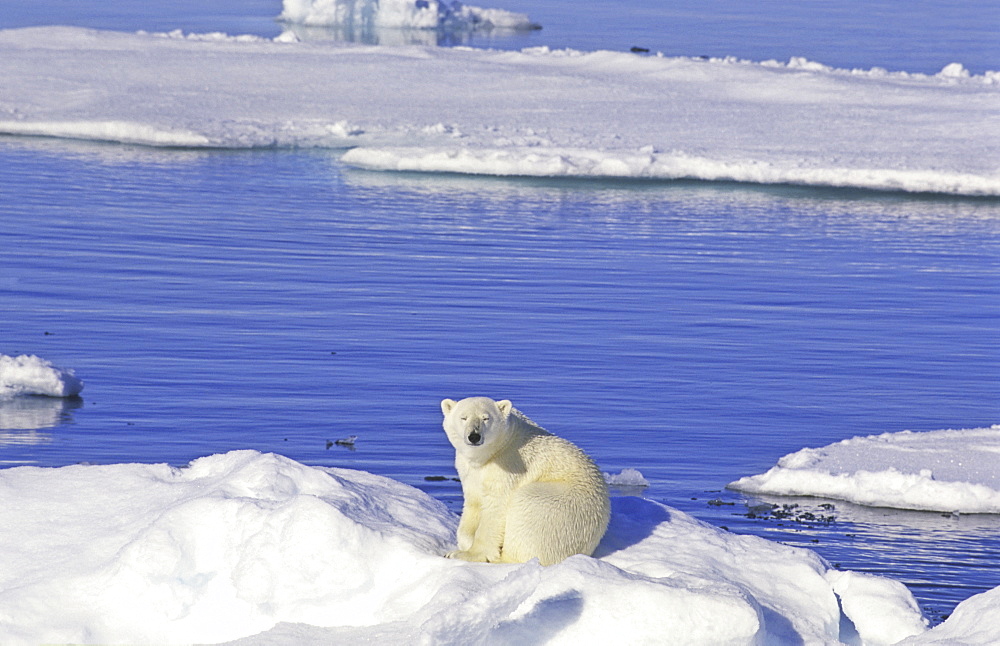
(258, 549)
(531, 113)
(948, 470)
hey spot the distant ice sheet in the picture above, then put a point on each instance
(537, 112)
(261, 549)
(401, 14)
(30, 375)
(949, 470)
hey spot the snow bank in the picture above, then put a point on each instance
(867, 599)
(401, 14)
(949, 470)
(536, 112)
(556, 162)
(259, 548)
(30, 375)
(974, 621)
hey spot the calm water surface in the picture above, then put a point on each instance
(277, 301)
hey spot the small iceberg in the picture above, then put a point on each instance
(365, 15)
(629, 477)
(28, 374)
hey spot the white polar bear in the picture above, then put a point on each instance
(528, 494)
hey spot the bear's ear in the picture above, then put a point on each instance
(504, 405)
(447, 405)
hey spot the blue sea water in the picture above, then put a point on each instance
(276, 300)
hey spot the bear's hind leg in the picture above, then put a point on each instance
(546, 522)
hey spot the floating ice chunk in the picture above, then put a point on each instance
(948, 470)
(30, 375)
(628, 477)
(954, 71)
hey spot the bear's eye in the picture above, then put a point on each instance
(465, 419)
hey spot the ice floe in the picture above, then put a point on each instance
(538, 112)
(947, 470)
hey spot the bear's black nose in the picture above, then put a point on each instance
(475, 438)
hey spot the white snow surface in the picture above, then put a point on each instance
(975, 621)
(258, 549)
(27, 374)
(531, 113)
(401, 14)
(947, 470)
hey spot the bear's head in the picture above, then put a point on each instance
(476, 426)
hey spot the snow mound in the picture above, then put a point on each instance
(866, 599)
(401, 14)
(30, 375)
(974, 621)
(948, 470)
(260, 549)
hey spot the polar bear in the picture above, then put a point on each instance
(528, 494)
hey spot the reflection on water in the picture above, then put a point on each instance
(10, 437)
(21, 418)
(36, 412)
(639, 198)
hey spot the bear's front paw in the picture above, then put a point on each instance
(466, 556)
